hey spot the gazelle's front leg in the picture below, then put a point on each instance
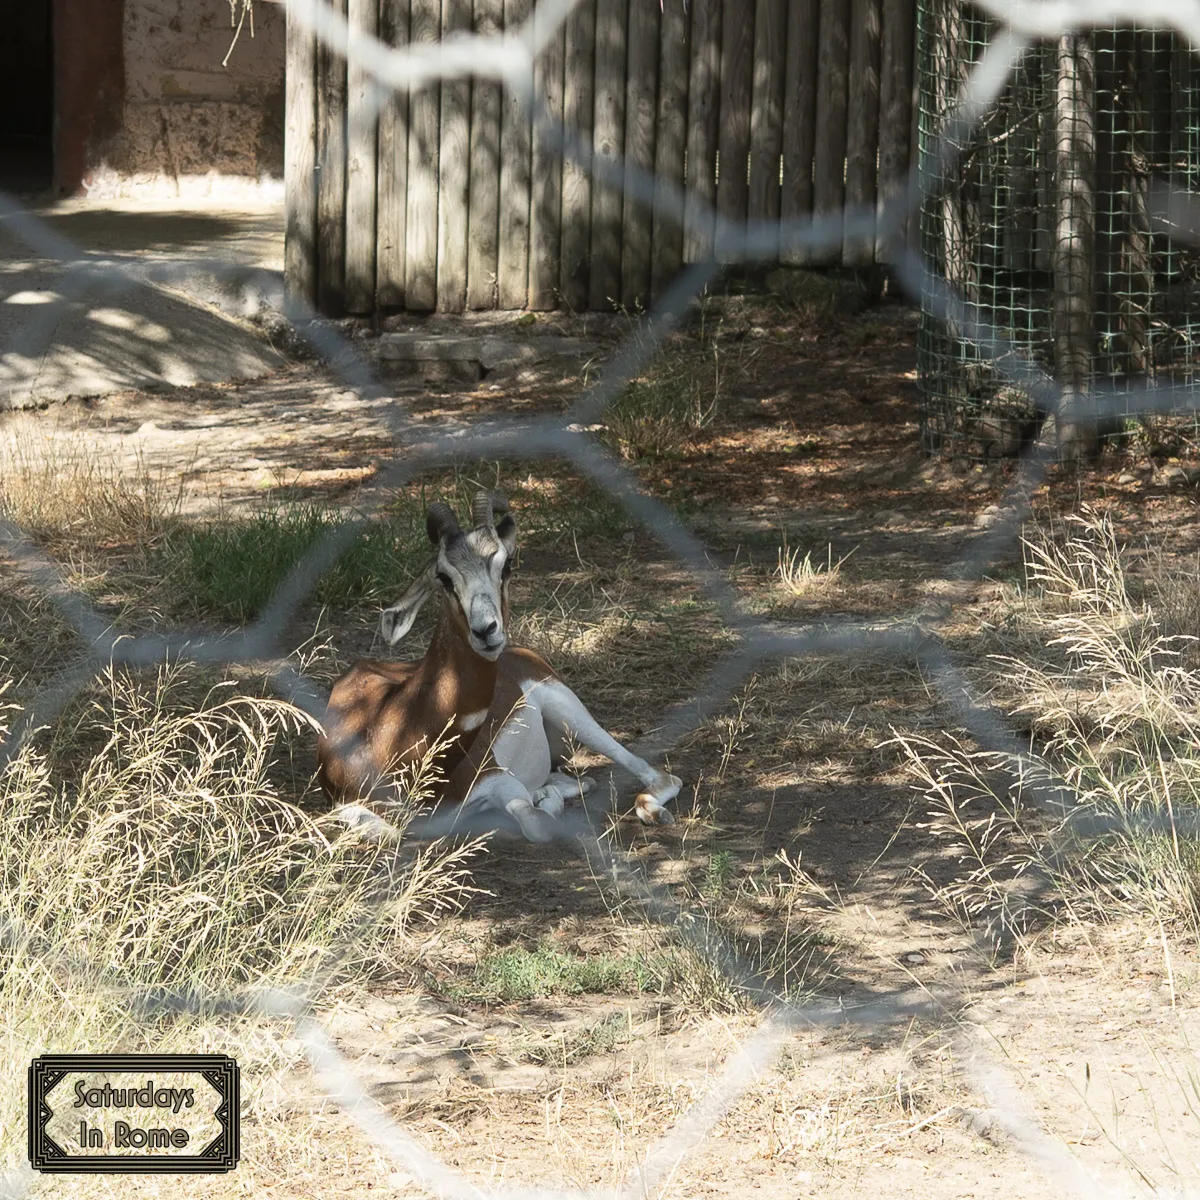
(564, 713)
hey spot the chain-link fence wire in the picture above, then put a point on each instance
(509, 57)
(1046, 225)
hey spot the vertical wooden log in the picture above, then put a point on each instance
(799, 120)
(608, 144)
(424, 109)
(331, 177)
(862, 129)
(545, 210)
(1137, 283)
(1075, 155)
(895, 110)
(829, 154)
(733, 142)
(670, 147)
(392, 155)
(299, 169)
(361, 129)
(641, 109)
(453, 173)
(766, 115)
(704, 110)
(578, 110)
(484, 220)
(516, 137)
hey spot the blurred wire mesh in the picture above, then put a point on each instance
(1023, 278)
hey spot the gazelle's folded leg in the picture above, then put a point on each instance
(564, 713)
(501, 790)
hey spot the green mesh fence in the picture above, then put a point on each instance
(1045, 225)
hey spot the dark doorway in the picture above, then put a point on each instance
(27, 98)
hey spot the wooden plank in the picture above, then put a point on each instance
(392, 155)
(516, 139)
(641, 112)
(484, 187)
(578, 104)
(545, 209)
(704, 108)
(299, 169)
(670, 148)
(331, 177)
(862, 127)
(608, 144)
(737, 81)
(424, 109)
(361, 130)
(766, 114)
(895, 108)
(799, 120)
(453, 173)
(829, 154)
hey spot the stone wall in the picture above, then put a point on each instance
(191, 127)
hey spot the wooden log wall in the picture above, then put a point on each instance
(452, 197)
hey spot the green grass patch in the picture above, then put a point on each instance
(232, 568)
(522, 973)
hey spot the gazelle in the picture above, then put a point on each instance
(509, 716)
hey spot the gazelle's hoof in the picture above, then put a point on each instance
(549, 800)
(650, 812)
(365, 823)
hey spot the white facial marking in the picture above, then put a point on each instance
(469, 721)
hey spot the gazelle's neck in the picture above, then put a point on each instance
(461, 682)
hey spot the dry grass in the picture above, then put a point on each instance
(1102, 822)
(803, 576)
(167, 863)
(63, 492)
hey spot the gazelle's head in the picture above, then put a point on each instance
(471, 571)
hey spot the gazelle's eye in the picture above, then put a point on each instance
(444, 580)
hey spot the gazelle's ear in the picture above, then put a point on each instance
(506, 531)
(396, 621)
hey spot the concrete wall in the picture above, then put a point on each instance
(189, 126)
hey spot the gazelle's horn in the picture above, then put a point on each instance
(481, 509)
(440, 521)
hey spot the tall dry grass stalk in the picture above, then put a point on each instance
(166, 862)
(1113, 707)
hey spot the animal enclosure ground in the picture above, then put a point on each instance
(548, 1032)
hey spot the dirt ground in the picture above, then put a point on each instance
(1067, 1068)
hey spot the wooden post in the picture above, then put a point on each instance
(766, 115)
(670, 147)
(895, 108)
(299, 173)
(484, 219)
(578, 107)
(392, 157)
(424, 108)
(862, 128)
(515, 148)
(704, 110)
(799, 119)
(737, 80)
(361, 171)
(545, 210)
(1075, 156)
(641, 111)
(453, 173)
(608, 143)
(829, 153)
(331, 177)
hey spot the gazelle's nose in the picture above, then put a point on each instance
(484, 632)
